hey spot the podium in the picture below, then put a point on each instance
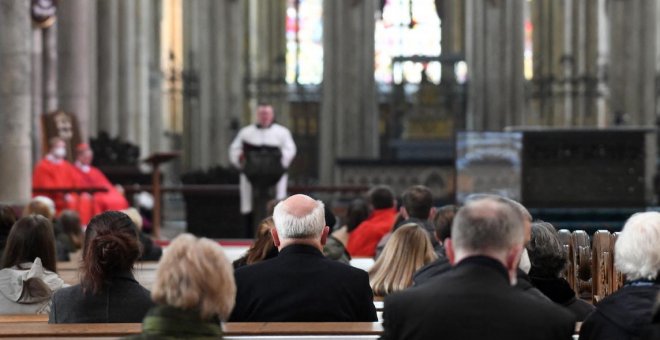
(155, 160)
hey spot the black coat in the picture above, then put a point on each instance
(473, 301)
(122, 299)
(622, 315)
(300, 284)
(560, 292)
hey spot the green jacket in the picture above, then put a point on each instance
(166, 322)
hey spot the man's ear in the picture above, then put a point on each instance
(432, 213)
(324, 235)
(403, 212)
(276, 237)
(449, 251)
(513, 257)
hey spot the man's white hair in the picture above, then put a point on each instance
(637, 250)
(299, 227)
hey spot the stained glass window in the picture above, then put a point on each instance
(407, 28)
(304, 42)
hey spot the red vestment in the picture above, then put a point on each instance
(55, 174)
(91, 177)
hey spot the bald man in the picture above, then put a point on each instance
(300, 284)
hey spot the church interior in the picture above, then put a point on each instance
(552, 103)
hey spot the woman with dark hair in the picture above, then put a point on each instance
(7, 220)
(107, 292)
(548, 261)
(262, 248)
(28, 277)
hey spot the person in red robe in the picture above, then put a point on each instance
(54, 172)
(91, 177)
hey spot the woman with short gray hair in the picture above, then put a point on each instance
(627, 313)
(548, 261)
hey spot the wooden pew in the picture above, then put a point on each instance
(602, 265)
(567, 245)
(582, 262)
(618, 278)
(236, 330)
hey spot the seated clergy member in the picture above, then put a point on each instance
(476, 299)
(54, 172)
(300, 284)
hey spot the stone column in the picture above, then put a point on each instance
(156, 142)
(192, 45)
(143, 50)
(37, 91)
(267, 57)
(632, 60)
(569, 47)
(494, 54)
(108, 66)
(349, 115)
(50, 102)
(127, 72)
(15, 111)
(75, 18)
(228, 74)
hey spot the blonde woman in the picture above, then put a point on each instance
(407, 250)
(194, 290)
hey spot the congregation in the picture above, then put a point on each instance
(493, 272)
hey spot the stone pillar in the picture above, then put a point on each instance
(37, 91)
(156, 142)
(127, 72)
(50, 102)
(75, 23)
(143, 129)
(15, 111)
(267, 57)
(349, 115)
(214, 79)
(494, 54)
(632, 60)
(452, 22)
(108, 66)
(192, 45)
(228, 74)
(568, 62)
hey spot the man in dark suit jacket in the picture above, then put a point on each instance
(476, 298)
(300, 284)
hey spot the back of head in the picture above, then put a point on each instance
(357, 212)
(263, 244)
(31, 237)
(70, 222)
(407, 250)
(637, 250)
(7, 220)
(442, 221)
(418, 201)
(40, 205)
(545, 251)
(299, 217)
(135, 216)
(381, 197)
(194, 274)
(487, 224)
(111, 247)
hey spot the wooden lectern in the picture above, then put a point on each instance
(155, 160)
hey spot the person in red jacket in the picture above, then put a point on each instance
(54, 172)
(363, 240)
(89, 176)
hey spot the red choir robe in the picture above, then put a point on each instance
(91, 177)
(50, 173)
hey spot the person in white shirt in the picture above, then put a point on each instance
(264, 133)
